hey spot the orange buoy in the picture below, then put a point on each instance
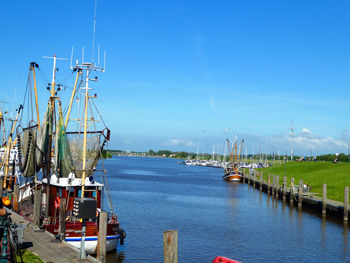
(6, 201)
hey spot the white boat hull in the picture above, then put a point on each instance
(91, 243)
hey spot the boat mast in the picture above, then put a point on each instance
(240, 150)
(47, 168)
(33, 65)
(10, 144)
(88, 67)
(72, 97)
(2, 122)
(85, 131)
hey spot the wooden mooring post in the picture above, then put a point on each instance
(273, 185)
(254, 180)
(37, 207)
(102, 237)
(284, 187)
(170, 246)
(324, 200)
(277, 185)
(261, 181)
(268, 184)
(346, 203)
(62, 219)
(243, 175)
(300, 199)
(291, 199)
(15, 198)
(249, 178)
(2, 187)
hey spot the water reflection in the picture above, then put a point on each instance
(345, 236)
(323, 231)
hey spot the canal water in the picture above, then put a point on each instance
(213, 217)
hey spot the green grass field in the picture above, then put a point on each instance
(335, 175)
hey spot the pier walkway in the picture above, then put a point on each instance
(43, 245)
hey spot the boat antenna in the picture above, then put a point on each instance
(93, 33)
(82, 56)
(71, 58)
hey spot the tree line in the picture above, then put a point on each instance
(342, 157)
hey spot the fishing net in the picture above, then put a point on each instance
(27, 160)
(93, 147)
(43, 138)
(63, 154)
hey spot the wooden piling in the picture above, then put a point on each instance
(261, 181)
(2, 186)
(277, 185)
(300, 199)
(102, 236)
(254, 180)
(273, 185)
(244, 175)
(268, 184)
(37, 207)
(62, 219)
(291, 199)
(324, 200)
(170, 246)
(15, 198)
(284, 188)
(346, 203)
(248, 178)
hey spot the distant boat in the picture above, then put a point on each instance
(233, 176)
(232, 173)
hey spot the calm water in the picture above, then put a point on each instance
(212, 217)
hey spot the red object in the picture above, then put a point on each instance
(224, 260)
(57, 202)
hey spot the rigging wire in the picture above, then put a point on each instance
(99, 115)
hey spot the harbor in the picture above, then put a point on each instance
(174, 131)
(205, 210)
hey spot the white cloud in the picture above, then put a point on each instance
(306, 130)
(305, 142)
(178, 142)
(308, 140)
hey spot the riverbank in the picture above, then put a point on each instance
(315, 174)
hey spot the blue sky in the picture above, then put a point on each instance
(184, 75)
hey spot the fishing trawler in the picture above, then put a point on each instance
(231, 172)
(67, 160)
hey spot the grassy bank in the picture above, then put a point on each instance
(27, 257)
(335, 175)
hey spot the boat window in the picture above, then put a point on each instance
(94, 194)
(71, 194)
